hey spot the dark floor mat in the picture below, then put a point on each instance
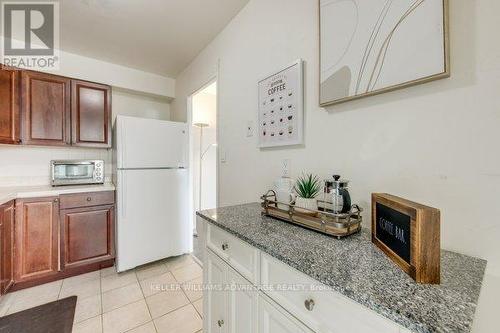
(55, 317)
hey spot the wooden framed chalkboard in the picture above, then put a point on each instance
(409, 234)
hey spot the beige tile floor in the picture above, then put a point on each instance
(162, 297)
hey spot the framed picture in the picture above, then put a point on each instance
(369, 47)
(281, 107)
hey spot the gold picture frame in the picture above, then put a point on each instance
(445, 74)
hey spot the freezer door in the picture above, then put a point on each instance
(152, 219)
(149, 143)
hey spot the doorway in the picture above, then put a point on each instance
(203, 138)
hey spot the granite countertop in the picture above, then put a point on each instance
(356, 268)
(18, 192)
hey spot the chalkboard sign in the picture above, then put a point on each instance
(394, 229)
(409, 234)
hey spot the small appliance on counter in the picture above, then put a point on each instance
(77, 172)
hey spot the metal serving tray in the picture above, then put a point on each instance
(324, 221)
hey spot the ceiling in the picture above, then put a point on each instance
(158, 36)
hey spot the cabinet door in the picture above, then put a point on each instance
(7, 246)
(9, 106)
(243, 304)
(36, 254)
(215, 298)
(273, 319)
(87, 235)
(46, 109)
(91, 113)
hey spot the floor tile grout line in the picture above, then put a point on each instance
(147, 305)
(60, 289)
(198, 312)
(100, 293)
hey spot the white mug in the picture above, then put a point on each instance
(284, 197)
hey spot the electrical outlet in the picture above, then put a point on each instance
(250, 129)
(285, 167)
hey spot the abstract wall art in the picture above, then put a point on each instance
(369, 47)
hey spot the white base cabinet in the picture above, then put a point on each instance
(233, 303)
(215, 298)
(274, 319)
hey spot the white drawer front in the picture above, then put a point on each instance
(329, 311)
(244, 258)
(273, 319)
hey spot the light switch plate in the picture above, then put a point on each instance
(222, 156)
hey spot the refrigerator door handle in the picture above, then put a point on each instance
(122, 142)
(123, 208)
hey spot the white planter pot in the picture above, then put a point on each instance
(308, 203)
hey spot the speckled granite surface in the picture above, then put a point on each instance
(356, 268)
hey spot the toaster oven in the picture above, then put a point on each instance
(77, 172)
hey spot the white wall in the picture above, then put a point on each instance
(204, 110)
(435, 143)
(132, 104)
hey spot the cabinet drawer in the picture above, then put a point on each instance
(243, 257)
(273, 319)
(87, 199)
(330, 311)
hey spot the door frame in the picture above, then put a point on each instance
(214, 77)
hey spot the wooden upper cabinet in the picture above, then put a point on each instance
(9, 106)
(36, 254)
(91, 114)
(46, 108)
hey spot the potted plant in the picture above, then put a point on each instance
(307, 188)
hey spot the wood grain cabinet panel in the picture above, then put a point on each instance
(46, 109)
(7, 246)
(10, 116)
(36, 254)
(88, 235)
(91, 113)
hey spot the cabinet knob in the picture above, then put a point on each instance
(220, 322)
(56, 200)
(225, 246)
(89, 199)
(309, 304)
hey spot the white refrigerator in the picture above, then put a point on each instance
(151, 177)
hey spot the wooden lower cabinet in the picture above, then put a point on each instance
(50, 243)
(36, 254)
(6, 246)
(87, 236)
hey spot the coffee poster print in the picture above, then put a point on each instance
(281, 107)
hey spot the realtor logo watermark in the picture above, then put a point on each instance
(30, 33)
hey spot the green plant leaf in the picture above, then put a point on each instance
(308, 186)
